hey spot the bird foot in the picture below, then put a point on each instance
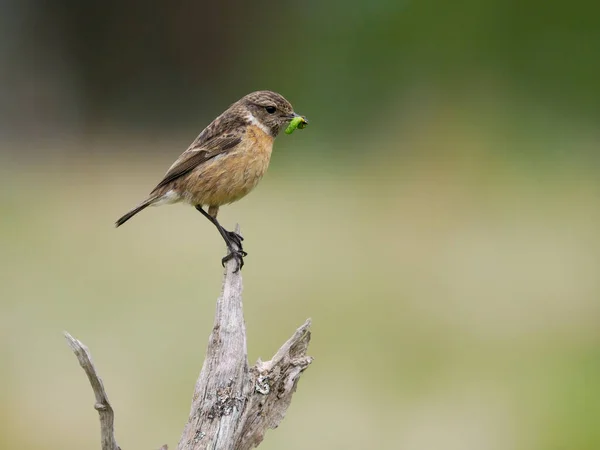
(238, 255)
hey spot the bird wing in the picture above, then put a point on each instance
(199, 153)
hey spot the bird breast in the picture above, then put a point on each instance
(230, 176)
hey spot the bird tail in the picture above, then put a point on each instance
(134, 211)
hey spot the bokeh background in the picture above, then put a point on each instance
(438, 220)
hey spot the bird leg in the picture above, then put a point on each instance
(231, 238)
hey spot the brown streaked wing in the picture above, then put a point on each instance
(199, 155)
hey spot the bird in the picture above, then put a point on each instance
(225, 162)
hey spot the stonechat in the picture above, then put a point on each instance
(225, 162)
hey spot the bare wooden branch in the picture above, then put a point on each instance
(273, 384)
(105, 411)
(233, 405)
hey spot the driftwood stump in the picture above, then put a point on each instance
(233, 405)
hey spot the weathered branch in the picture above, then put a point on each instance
(272, 385)
(105, 411)
(233, 405)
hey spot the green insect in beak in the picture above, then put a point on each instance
(296, 122)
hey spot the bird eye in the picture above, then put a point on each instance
(271, 109)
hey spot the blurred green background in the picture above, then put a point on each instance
(438, 220)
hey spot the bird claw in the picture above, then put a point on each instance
(238, 255)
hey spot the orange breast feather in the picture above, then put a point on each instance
(231, 176)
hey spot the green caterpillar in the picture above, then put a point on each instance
(296, 122)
